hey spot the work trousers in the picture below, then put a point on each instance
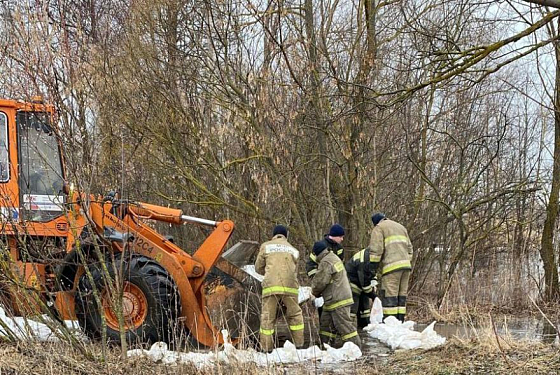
(393, 292)
(294, 318)
(338, 323)
(361, 309)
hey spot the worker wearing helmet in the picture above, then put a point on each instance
(333, 241)
(277, 261)
(332, 284)
(362, 283)
(391, 248)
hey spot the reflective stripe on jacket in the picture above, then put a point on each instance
(359, 272)
(311, 265)
(277, 261)
(331, 282)
(390, 246)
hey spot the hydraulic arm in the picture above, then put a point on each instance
(187, 271)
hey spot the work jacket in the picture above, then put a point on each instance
(311, 265)
(359, 271)
(390, 246)
(331, 282)
(277, 261)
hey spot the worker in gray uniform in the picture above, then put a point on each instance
(332, 284)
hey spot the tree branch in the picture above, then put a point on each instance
(546, 3)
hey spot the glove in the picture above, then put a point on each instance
(318, 302)
(373, 293)
(371, 289)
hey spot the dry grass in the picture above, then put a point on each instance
(484, 352)
(59, 358)
(48, 358)
(475, 356)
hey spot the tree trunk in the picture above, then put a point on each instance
(349, 190)
(552, 291)
(315, 112)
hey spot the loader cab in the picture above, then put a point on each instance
(40, 167)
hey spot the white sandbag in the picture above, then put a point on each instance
(319, 302)
(250, 269)
(287, 354)
(304, 294)
(348, 352)
(397, 335)
(376, 315)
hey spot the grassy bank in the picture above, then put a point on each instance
(490, 355)
(486, 351)
(472, 357)
(60, 358)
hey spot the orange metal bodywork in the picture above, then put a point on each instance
(187, 271)
(9, 191)
(81, 211)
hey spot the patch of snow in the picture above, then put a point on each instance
(285, 355)
(400, 335)
(29, 329)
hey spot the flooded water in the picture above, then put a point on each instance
(374, 352)
(517, 328)
(371, 346)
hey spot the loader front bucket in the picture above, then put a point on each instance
(233, 295)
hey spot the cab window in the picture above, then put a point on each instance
(40, 167)
(41, 170)
(4, 159)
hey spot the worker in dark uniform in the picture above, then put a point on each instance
(330, 282)
(277, 261)
(390, 248)
(362, 282)
(332, 241)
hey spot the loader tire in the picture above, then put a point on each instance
(150, 302)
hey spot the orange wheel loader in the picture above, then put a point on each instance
(94, 258)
